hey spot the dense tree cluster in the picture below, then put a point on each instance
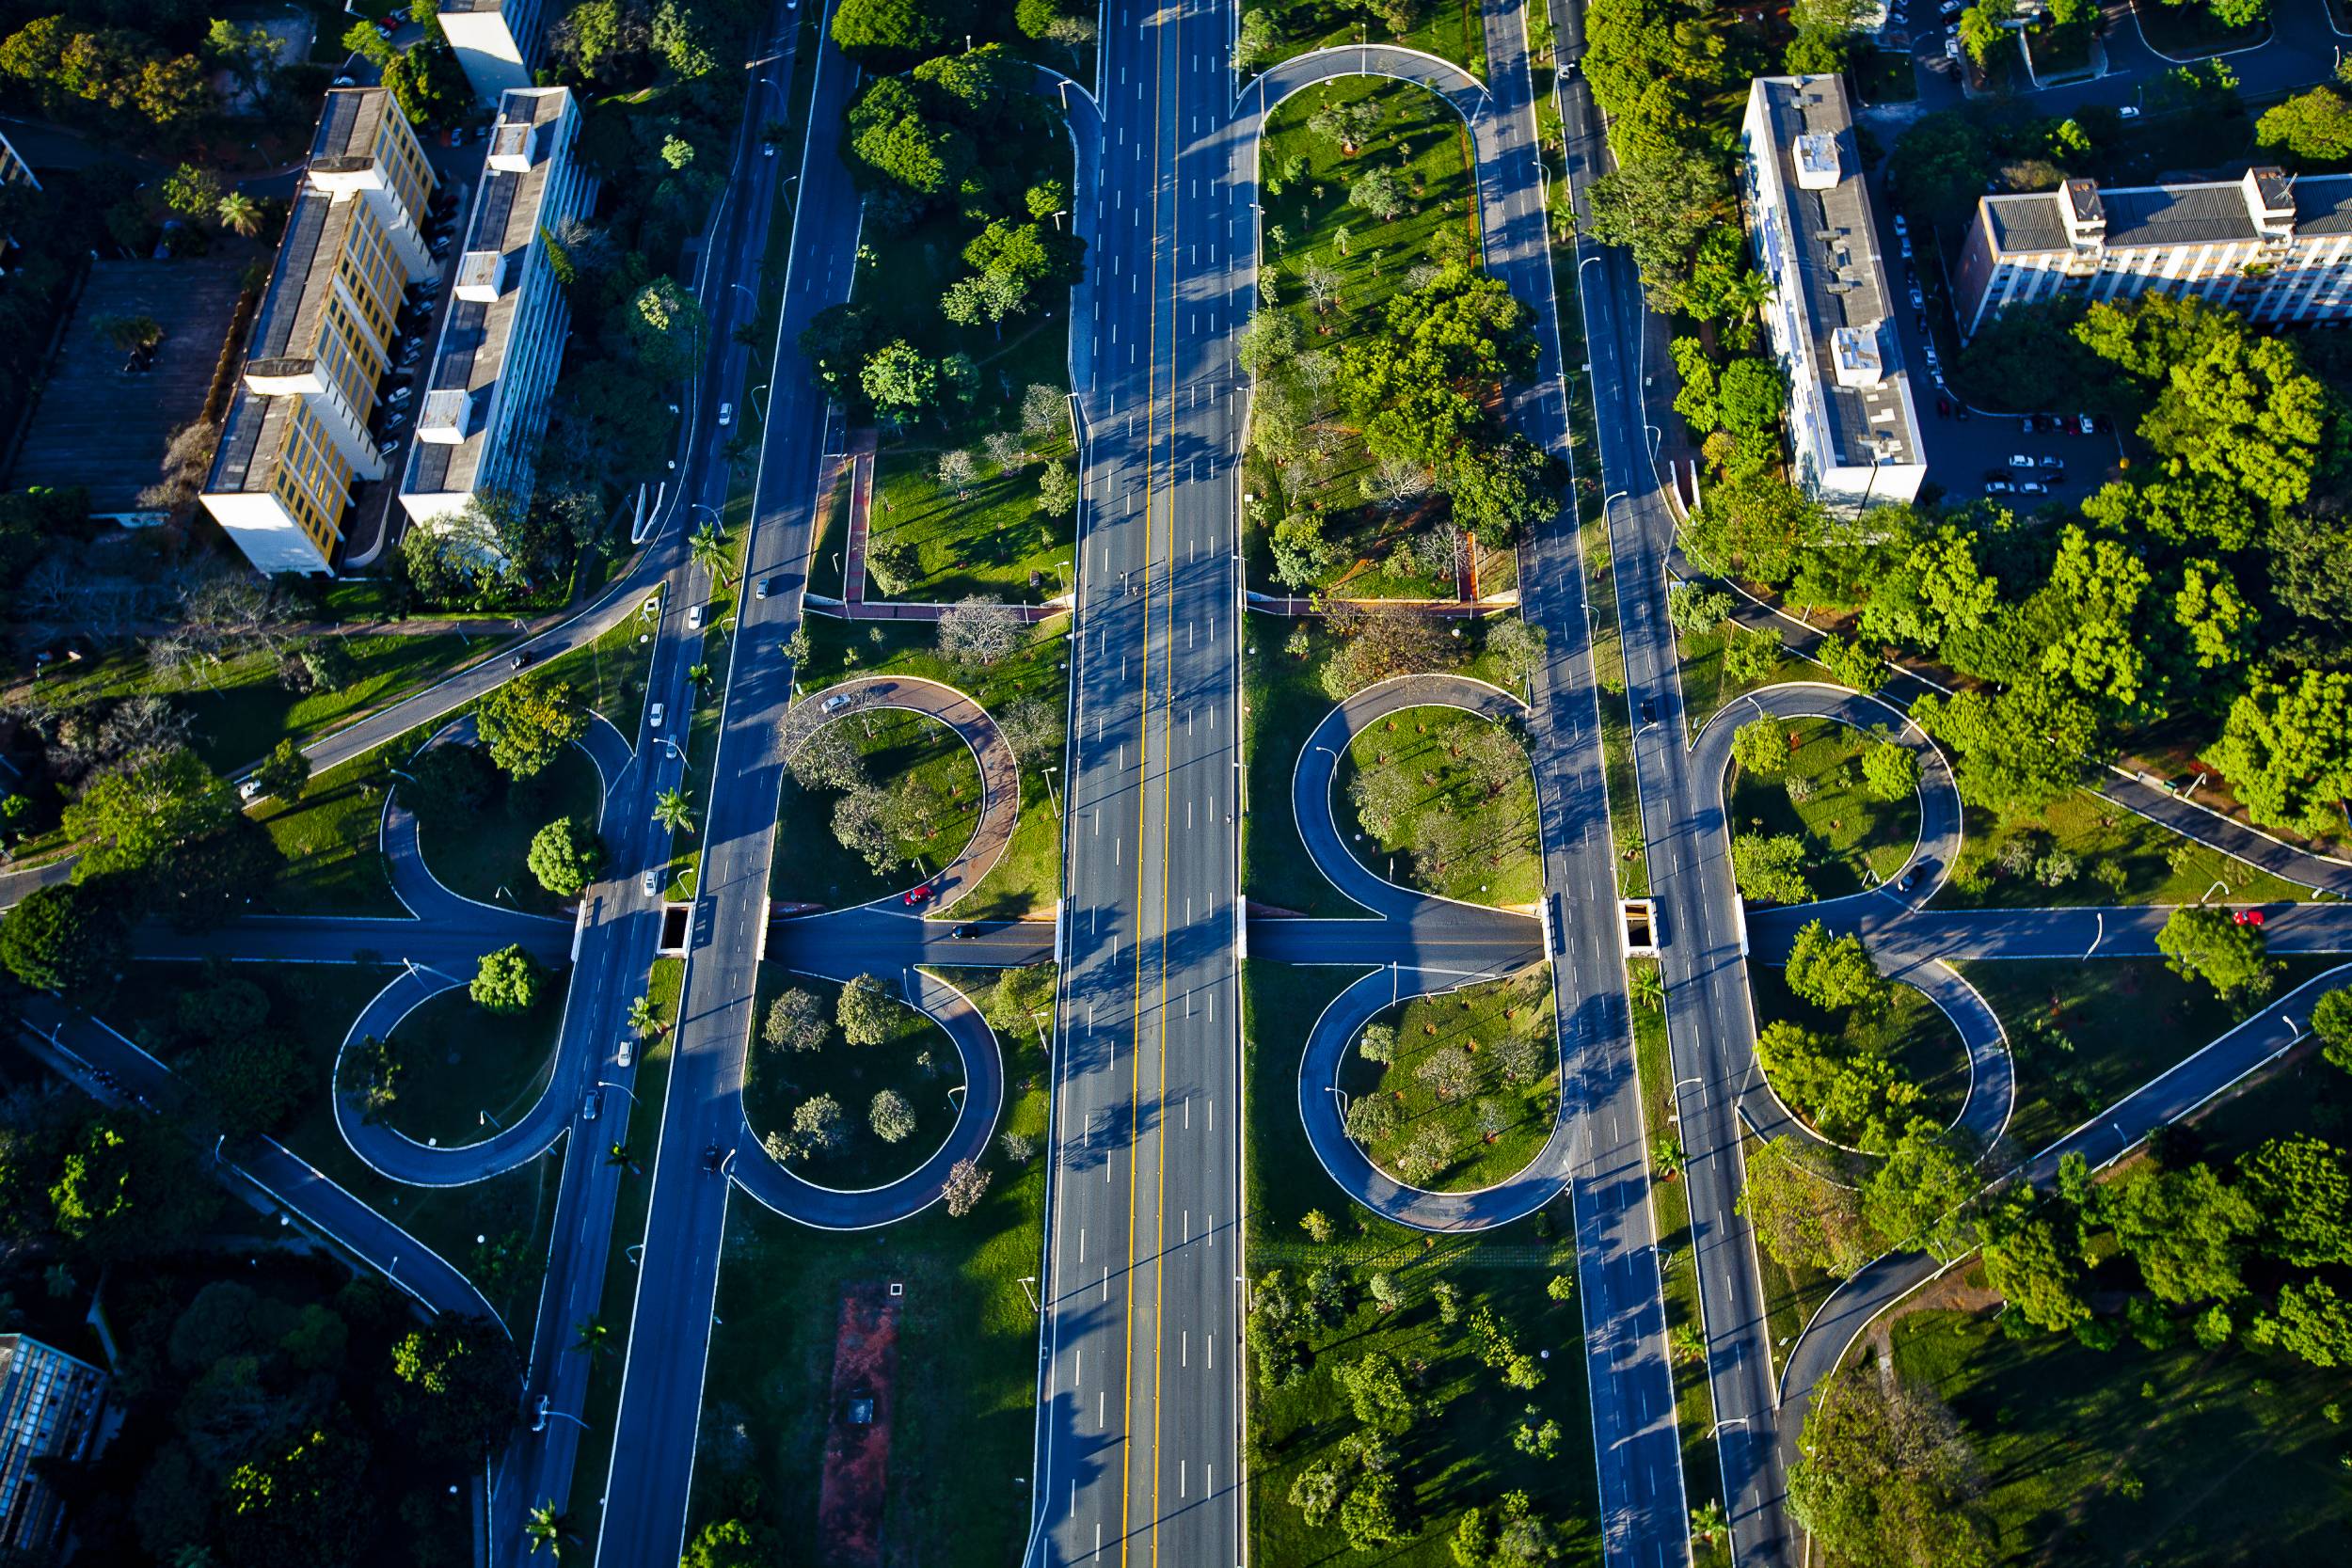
(2209, 588)
(1888, 1477)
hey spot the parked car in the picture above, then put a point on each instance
(250, 789)
(1992, 474)
(2032, 487)
(1918, 300)
(835, 703)
(2082, 422)
(2050, 461)
(1901, 225)
(1998, 487)
(2018, 461)
(1904, 241)
(2129, 111)
(1944, 407)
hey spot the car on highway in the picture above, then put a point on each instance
(727, 414)
(1649, 711)
(759, 589)
(693, 617)
(629, 1046)
(654, 714)
(918, 895)
(713, 1159)
(964, 933)
(590, 1103)
(1909, 879)
(521, 658)
(653, 880)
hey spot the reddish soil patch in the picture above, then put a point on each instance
(857, 1450)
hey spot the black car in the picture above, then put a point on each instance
(520, 659)
(962, 933)
(1649, 711)
(713, 1158)
(1909, 878)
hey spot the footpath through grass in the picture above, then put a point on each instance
(1028, 880)
(1454, 835)
(1463, 1450)
(918, 1062)
(963, 1412)
(1853, 839)
(1474, 1087)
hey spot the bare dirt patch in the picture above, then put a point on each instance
(857, 1428)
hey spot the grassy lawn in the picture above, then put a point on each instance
(465, 1072)
(634, 1124)
(904, 753)
(1490, 1130)
(1028, 880)
(1460, 1454)
(1309, 219)
(991, 537)
(918, 1060)
(483, 853)
(1283, 701)
(1708, 686)
(2189, 32)
(1914, 1035)
(1426, 745)
(962, 1427)
(2117, 1023)
(240, 707)
(1449, 29)
(2120, 857)
(334, 858)
(1853, 839)
(1677, 1264)
(512, 1212)
(2178, 1456)
(610, 673)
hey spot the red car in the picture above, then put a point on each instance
(2248, 917)
(917, 895)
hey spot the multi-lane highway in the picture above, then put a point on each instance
(1140, 1407)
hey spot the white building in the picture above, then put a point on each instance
(1853, 422)
(486, 402)
(2273, 247)
(496, 42)
(298, 432)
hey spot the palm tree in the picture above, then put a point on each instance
(673, 810)
(1666, 1154)
(708, 549)
(1707, 1524)
(240, 213)
(699, 674)
(596, 1338)
(1649, 989)
(643, 1021)
(623, 1156)
(550, 1530)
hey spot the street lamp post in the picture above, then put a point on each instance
(608, 1084)
(1049, 790)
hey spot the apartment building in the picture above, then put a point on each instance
(485, 403)
(496, 42)
(1853, 424)
(51, 1405)
(298, 432)
(2274, 247)
(14, 171)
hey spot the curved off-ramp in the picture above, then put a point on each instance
(832, 1209)
(385, 1148)
(1426, 943)
(1992, 1069)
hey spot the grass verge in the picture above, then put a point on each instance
(929, 775)
(1456, 836)
(917, 1061)
(1460, 1102)
(1853, 838)
(464, 1072)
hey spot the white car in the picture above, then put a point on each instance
(835, 703)
(1998, 487)
(653, 885)
(654, 717)
(1904, 241)
(1918, 300)
(2129, 111)
(2016, 461)
(628, 1044)
(251, 789)
(727, 414)
(693, 617)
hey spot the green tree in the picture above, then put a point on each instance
(1887, 1476)
(251, 1082)
(890, 1116)
(1833, 973)
(2300, 1186)
(673, 810)
(1981, 28)
(2185, 1230)
(2331, 1020)
(1803, 1219)
(2286, 749)
(894, 140)
(1759, 747)
(796, 1021)
(507, 982)
(898, 381)
(2040, 1278)
(886, 35)
(1890, 770)
(2311, 1320)
(1368, 1516)
(1375, 1388)
(283, 773)
(130, 819)
(1771, 870)
(2018, 750)
(1940, 166)
(733, 1544)
(1917, 1198)
(457, 1380)
(867, 1012)
(2313, 127)
(2204, 942)
(566, 856)
(1659, 206)
(666, 327)
(65, 939)
(306, 1502)
(527, 721)
(129, 1185)
(192, 191)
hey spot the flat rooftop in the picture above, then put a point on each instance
(298, 286)
(2142, 217)
(106, 431)
(1840, 279)
(345, 139)
(250, 440)
(475, 336)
